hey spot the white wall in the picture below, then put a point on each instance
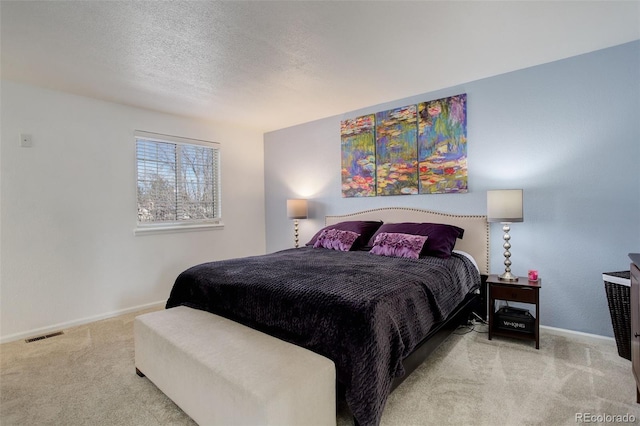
(567, 132)
(68, 209)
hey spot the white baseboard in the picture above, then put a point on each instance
(62, 326)
(74, 323)
(577, 334)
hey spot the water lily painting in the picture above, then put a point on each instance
(358, 156)
(442, 145)
(396, 151)
(416, 149)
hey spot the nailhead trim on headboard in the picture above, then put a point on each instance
(474, 225)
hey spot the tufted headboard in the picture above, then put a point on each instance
(476, 227)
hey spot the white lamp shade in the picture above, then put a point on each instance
(297, 209)
(504, 205)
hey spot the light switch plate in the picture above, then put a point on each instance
(25, 140)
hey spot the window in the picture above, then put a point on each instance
(178, 183)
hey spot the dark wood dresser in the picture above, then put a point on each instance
(635, 320)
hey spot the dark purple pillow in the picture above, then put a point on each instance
(335, 239)
(398, 245)
(366, 228)
(442, 238)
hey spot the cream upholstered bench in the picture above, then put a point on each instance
(223, 373)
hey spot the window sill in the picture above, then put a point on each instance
(166, 229)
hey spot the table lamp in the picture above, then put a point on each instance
(296, 209)
(505, 206)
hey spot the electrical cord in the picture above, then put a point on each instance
(470, 326)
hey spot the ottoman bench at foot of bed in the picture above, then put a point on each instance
(220, 372)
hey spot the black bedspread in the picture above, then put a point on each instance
(364, 312)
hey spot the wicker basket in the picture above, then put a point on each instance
(616, 285)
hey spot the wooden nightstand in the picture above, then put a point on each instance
(524, 291)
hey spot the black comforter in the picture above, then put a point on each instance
(364, 312)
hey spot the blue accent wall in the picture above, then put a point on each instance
(567, 132)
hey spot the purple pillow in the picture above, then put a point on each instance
(336, 239)
(398, 245)
(366, 228)
(442, 238)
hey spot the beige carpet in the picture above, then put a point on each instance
(87, 377)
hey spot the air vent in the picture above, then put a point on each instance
(46, 336)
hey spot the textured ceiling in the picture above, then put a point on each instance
(273, 64)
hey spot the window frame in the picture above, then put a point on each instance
(147, 228)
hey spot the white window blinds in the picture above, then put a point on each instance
(178, 180)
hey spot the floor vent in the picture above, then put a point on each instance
(46, 336)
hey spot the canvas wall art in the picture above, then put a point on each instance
(358, 157)
(416, 149)
(442, 145)
(396, 151)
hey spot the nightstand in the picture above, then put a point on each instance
(524, 291)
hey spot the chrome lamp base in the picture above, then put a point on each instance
(507, 276)
(295, 231)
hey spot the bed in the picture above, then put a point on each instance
(375, 316)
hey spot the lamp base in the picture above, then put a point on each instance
(507, 276)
